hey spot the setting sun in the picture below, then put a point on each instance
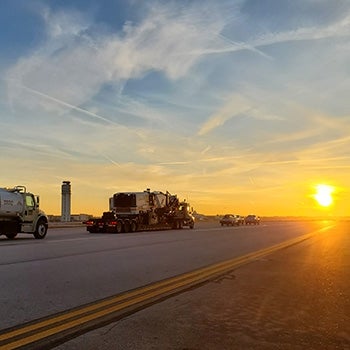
(323, 195)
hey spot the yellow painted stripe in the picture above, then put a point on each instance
(133, 298)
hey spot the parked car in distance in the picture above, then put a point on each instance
(229, 220)
(240, 219)
(252, 220)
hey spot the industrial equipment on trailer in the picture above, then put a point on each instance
(141, 211)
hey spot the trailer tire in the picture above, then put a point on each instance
(119, 227)
(177, 224)
(133, 226)
(41, 229)
(11, 235)
(126, 226)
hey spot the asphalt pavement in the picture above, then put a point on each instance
(296, 298)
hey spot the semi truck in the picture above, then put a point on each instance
(143, 211)
(20, 213)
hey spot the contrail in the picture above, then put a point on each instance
(36, 92)
(238, 46)
(110, 159)
(234, 46)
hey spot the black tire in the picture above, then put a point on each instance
(119, 227)
(126, 226)
(133, 226)
(41, 229)
(177, 224)
(11, 235)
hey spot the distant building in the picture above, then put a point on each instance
(80, 217)
(66, 201)
(74, 218)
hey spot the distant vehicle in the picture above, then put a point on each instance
(20, 213)
(143, 211)
(252, 220)
(229, 220)
(240, 219)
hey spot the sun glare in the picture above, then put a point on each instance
(323, 195)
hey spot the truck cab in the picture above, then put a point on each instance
(186, 213)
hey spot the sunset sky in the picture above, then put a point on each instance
(237, 106)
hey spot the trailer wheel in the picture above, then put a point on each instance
(11, 235)
(126, 226)
(41, 229)
(177, 224)
(119, 227)
(133, 226)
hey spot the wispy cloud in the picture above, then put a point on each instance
(338, 29)
(62, 103)
(235, 105)
(79, 64)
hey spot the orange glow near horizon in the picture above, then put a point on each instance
(304, 199)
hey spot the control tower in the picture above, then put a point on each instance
(66, 198)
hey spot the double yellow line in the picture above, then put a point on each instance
(57, 328)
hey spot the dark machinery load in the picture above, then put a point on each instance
(140, 211)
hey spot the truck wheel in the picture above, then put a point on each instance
(133, 226)
(11, 235)
(191, 225)
(126, 226)
(119, 227)
(41, 229)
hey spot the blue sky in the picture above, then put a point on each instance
(238, 106)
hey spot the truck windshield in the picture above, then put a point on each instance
(30, 201)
